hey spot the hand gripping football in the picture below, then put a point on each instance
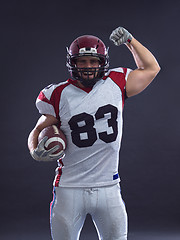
(55, 137)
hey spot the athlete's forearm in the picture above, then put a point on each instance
(33, 139)
(143, 57)
(44, 121)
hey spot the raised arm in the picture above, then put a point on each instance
(147, 66)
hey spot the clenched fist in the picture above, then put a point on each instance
(120, 36)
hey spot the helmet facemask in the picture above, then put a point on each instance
(79, 72)
(88, 81)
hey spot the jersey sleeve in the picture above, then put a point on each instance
(119, 76)
(48, 101)
(44, 102)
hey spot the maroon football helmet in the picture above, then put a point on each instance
(87, 45)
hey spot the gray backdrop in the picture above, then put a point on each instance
(34, 35)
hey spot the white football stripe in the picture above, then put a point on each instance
(56, 131)
(55, 139)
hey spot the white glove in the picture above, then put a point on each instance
(120, 36)
(41, 154)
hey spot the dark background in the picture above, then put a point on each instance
(34, 35)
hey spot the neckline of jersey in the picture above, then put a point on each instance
(74, 82)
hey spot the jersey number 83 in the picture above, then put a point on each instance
(83, 131)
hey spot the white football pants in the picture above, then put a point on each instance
(71, 205)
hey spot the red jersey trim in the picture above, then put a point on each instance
(58, 176)
(43, 98)
(56, 96)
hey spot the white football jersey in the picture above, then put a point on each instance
(91, 119)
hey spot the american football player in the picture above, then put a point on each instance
(88, 107)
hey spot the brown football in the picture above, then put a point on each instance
(55, 137)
